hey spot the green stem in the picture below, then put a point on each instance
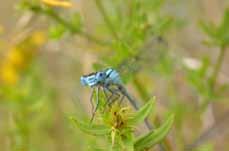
(213, 77)
(212, 83)
(165, 145)
(144, 95)
(68, 25)
(106, 19)
(217, 67)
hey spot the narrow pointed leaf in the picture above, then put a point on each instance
(90, 128)
(129, 143)
(209, 29)
(155, 136)
(225, 22)
(142, 113)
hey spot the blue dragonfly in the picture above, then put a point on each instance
(108, 80)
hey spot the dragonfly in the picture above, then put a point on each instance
(106, 80)
(109, 77)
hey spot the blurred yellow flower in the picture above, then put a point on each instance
(8, 74)
(15, 57)
(19, 56)
(60, 3)
(38, 38)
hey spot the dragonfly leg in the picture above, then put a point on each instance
(91, 99)
(107, 99)
(121, 100)
(116, 97)
(110, 99)
(114, 92)
(97, 104)
(105, 93)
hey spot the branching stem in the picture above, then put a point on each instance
(52, 14)
(106, 19)
(217, 67)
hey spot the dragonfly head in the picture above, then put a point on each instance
(100, 77)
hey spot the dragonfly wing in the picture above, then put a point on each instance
(112, 76)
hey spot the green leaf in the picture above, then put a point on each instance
(128, 142)
(141, 114)
(155, 136)
(205, 147)
(223, 29)
(162, 25)
(90, 128)
(225, 23)
(219, 35)
(56, 31)
(210, 29)
(76, 22)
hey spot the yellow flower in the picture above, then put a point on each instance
(19, 56)
(8, 74)
(15, 57)
(59, 3)
(38, 38)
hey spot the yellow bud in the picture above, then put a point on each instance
(58, 3)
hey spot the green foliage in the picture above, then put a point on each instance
(155, 136)
(91, 128)
(28, 98)
(205, 147)
(119, 128)
(56, 31)
(201, 80)
(218, 35)
(73, 25)
(143, 112)
(195, 78)
(133, 37)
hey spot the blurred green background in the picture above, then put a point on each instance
(175, 50)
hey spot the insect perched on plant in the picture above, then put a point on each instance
(109, 81)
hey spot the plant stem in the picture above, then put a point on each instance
(210, 132)
(217, 67)
(106, 19)
(214, 76)
(165, 145)
(212, 83)
(142, 92)
(66, 24)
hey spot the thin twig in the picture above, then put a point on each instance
(212, 81)
(106, 18)
(217, 67)
(210, 133)
(52, 14)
